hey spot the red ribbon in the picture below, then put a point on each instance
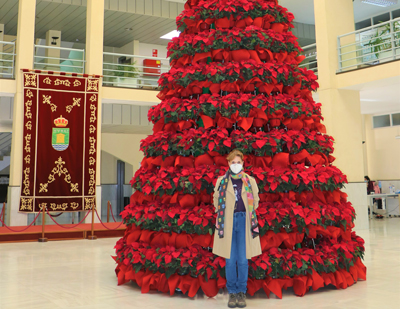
(224, 23)
(280, 160)
(200, 57)
(278, 27)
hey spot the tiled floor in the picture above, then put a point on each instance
(80, 274)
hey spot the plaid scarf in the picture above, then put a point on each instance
(222, 201)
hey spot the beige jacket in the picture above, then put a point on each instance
(222, 246)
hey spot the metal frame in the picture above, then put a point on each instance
(312, 58)
(110, 68)
(11, 61)
(391, 39)
(40, 65)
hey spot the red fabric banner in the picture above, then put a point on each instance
(60, 143)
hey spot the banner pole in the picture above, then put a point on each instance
(43, 239)
(92, 237)
(4, 212)
(108, 212)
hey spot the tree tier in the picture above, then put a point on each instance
(265, 42)
(304, 146)
(282, 107)
(229, 5)
(196, 181)
(157, 281)
(232, 77)
(265, 14)
(328, 256)
(273, 216)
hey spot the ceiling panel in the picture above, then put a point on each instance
(44, 15)
(117, 23)
(9, 16)
(58, 19)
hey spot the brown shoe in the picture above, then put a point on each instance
(232, 300)
(241, 298)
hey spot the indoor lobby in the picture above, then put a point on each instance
(116, 119)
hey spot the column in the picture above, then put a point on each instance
(54, 64)
(1, 39)
(1, 50)
(24, 60)
(94, 65)
(341, 107)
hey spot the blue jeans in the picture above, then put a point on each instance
(237, 267)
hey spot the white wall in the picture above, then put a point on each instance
(109, 169)
(383, 151)
(147, 50)
(124, 147)
(357, 196)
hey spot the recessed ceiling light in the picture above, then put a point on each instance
(382, 3)
(171, 35)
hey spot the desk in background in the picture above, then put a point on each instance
(383, 197)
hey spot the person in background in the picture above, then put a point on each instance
(370, 185)
(377, 190)
(370, 188)
(236, 236)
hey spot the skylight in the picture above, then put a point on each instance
(171, 35)
(382, 3)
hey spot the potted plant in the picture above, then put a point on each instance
(381, 41)
(127, 75)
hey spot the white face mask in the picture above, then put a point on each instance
(236, 168)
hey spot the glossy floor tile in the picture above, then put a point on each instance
(80, 274)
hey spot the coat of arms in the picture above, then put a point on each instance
(60, 137)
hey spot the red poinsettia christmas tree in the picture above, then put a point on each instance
(235, 82)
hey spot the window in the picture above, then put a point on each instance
(381, 121)
(395, 14)
(381, 18)
(363, 24)
(396, 119)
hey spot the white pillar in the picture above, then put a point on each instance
(24, 60)
(54, 64)
(94, 65)
(1, 39)
(341, 107)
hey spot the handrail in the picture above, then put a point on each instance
(7, 59)
(312, 63)
(134, 56)
(56, 58)
(381, 45)
(369, 28)
(365, 40)
(7, 42)
(134, 75)
(69, 65)
(309, 46)
(58, 47)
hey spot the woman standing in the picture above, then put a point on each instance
(370, 185)
(236, 230)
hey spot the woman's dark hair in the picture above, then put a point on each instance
(367, 178)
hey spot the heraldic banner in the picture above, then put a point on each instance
(59, 147)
